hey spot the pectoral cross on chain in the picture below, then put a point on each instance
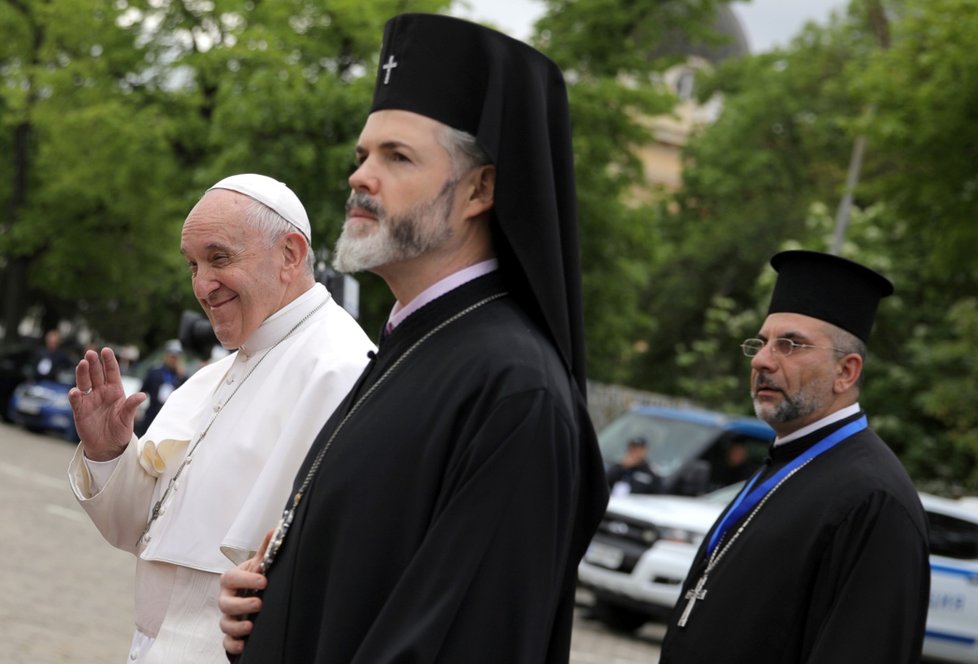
(693, 595)
(391, 64)
(279, 537)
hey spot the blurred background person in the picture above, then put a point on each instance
(633, 474)
(160, 382)
(52, 359)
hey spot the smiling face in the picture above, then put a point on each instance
(792, 391)
(237, 277)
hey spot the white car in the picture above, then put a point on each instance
(645, 545)
(952, 621)
(638, 559)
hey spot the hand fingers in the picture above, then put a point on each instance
(88, 372)
(236, 608)
(132, 405)
(240, 578)
(83, 378)
(75, 397)
(264, 544)
(232, 645)
(113, 375)
(96, 372)
(253, 564)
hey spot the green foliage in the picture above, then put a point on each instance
(115, 116)
(948, 390)
(751, 179)
(614, 38)
(925, 91)
(129, 110)
(616, 237)
(613, 57)
(768, 175)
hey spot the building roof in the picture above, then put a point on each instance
(726, 23)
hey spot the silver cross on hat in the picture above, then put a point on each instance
(391, 64)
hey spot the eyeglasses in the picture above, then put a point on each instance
(780, 345)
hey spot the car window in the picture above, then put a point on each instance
(952, 537)
(734, 458)
(670, 442)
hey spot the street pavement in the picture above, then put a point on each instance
(68, 594)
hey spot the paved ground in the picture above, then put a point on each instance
(68, 594)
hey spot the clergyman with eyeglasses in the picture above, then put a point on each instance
(822, 557)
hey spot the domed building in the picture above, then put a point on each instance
(662, 158)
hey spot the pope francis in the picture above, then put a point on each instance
(198, 491)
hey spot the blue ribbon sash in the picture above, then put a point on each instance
(747, 499)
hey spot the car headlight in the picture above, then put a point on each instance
(60, 401)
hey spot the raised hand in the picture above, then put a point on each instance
(103, 414)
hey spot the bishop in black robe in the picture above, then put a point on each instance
(459, 484)
(445, 523)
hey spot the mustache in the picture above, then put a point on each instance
(358, 199)
(763, 381)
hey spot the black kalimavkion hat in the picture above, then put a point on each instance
(836, 290)
(513, 100)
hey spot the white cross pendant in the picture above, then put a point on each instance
(693, 595)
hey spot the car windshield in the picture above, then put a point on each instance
(670, 442)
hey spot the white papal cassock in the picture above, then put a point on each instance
(264, 405)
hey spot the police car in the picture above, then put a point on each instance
(952, 621)
(644, 547)
(642, 551)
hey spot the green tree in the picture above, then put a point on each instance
(117, 115)
(924, 89)
(768, 175)
(276, 88)
(88, 173)
(752, 181)
(614, 55)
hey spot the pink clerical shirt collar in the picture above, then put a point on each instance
(436, 290)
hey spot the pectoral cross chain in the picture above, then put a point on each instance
(279, 537)
(693, 595)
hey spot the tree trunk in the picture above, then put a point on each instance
(15, 277)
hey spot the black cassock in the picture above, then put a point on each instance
(447, 519)
(833, 569)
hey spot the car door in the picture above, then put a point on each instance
(952, 620)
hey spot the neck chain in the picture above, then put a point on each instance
(158, 507)
(757, 497)
(289, 514)
(698, 593)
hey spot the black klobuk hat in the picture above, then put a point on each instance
(513, 99)
(830, 288)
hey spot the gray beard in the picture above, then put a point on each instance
(423, 228)
(803, 403)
